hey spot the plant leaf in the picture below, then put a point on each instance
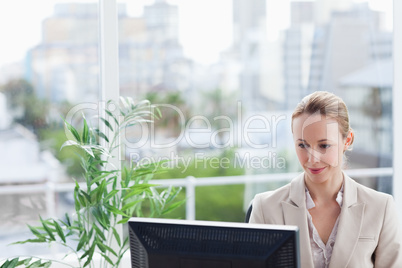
(98, 192)
(112, 115)
(85, 131)
(115, 210)
(27, 261)
(59, 231)
(35, 264)
(47, 229)
(101, 246)
(68, 220)
(90, 254)
(110, 250)
(99, 232)
(47, 264)
(173, 207)
(88, 149)
(82, 242)
(81, 200)
(108, 259)
(101, 135)
(129, 205)
(38, 240)
(10, 264)
(69, 143)
(123, 221)
(110, 195)
(138, 189)
(35, 231)
(116, 236)
(124, 103)
(106, 123)
(73, 131)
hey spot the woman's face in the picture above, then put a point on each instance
(319, 146)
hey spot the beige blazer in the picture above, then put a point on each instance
(368, 235)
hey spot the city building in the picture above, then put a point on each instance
(297, 52)
(342, 46)
(65, 65)
(260, 83)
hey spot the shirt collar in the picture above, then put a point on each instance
(310, 203)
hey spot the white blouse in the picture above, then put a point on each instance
(321, 253)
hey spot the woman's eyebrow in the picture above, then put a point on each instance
(322, 140)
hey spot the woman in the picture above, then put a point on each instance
(342, 223)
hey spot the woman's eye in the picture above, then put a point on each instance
(303, 145)
(325, 146)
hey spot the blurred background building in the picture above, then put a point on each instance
(64, 66)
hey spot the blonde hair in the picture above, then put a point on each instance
(326, 104)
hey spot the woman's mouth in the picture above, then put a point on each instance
(316, 170)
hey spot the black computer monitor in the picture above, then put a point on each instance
(164, 243)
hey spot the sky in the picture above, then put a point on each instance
(20, 24)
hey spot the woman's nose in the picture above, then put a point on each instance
(313, 156)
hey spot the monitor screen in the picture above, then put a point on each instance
(164, 243)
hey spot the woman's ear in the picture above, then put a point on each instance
(348, 140)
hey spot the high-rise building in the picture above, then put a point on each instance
(155, 62)
(249, 17)
(342, 46)
(249, 45)
(297, 52)
(162, 21)
(65, 65)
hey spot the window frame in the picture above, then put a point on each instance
(397, 106)
(109, 74)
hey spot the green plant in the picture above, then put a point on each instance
(108, 197)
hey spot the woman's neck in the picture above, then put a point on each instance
(325, 192)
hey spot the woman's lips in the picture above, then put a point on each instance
(316, 170)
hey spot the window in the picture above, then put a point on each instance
(225, 74)
(49, 64)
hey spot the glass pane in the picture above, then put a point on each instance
(48, 65)
(229, 73)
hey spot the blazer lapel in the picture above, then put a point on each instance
(294, 212)
(350, 223)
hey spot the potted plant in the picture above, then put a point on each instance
(108, 197)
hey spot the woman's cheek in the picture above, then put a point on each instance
(302, 156)
(331, 157)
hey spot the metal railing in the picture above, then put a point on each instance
(190, 183)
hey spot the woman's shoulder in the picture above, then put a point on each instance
(366, 194)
